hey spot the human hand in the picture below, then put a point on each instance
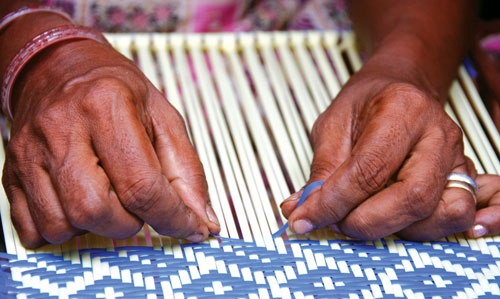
(384, 149)
(96, 148)
(487, 220)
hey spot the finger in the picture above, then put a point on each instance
(413, 197)
(416, 195)
(454, 212)
(487, 220)
(125, 151)
(488, 190)
(43, 206)
(21, 219)
(87, 198)
(181, 164)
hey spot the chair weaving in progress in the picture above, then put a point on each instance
(249, 101)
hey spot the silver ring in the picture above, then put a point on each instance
(455, 176)
(462, 181)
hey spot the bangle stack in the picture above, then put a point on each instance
(38, 44)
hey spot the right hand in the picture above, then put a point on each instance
(96, 148)
(381, 129)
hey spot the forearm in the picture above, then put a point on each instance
(17, 33)
(422, 41)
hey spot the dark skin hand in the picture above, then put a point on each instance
(385, 146)
(417, 149)
(96, 148)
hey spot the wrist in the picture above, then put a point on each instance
(408, 59)
(24, 28)
(36, 46)
(73, 66)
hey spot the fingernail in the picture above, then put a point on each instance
(302, 226)
(479, 230)
(212, 217)
(196, 238)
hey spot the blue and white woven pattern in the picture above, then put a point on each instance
(235, 269)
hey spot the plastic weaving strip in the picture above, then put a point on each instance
(249, 101)
(307, 190)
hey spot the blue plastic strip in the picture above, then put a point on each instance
(307, 190)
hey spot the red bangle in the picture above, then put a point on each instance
(7, 19)
(35, 46)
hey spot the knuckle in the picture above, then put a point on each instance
(323, 169)
(404, 95)
(370, 171)
(142, 194)
(458, 216)
(419, 202)
(50, 117)
(106, 92)
(91, 213)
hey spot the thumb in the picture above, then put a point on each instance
(324, 164)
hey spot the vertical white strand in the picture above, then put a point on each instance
(215, 185)
(239, 194)
(331, 40)
(11, 238)
(257, 129)
(314, 41)
(145, 58)
(348, 44)
(200, 133)
(309, 71)
(122, 43)
(167, 72)
(291, 116)
(271, 112)
(296, 82)
(473, 129)
(468, 149)
(480, 109)
(235, 119)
